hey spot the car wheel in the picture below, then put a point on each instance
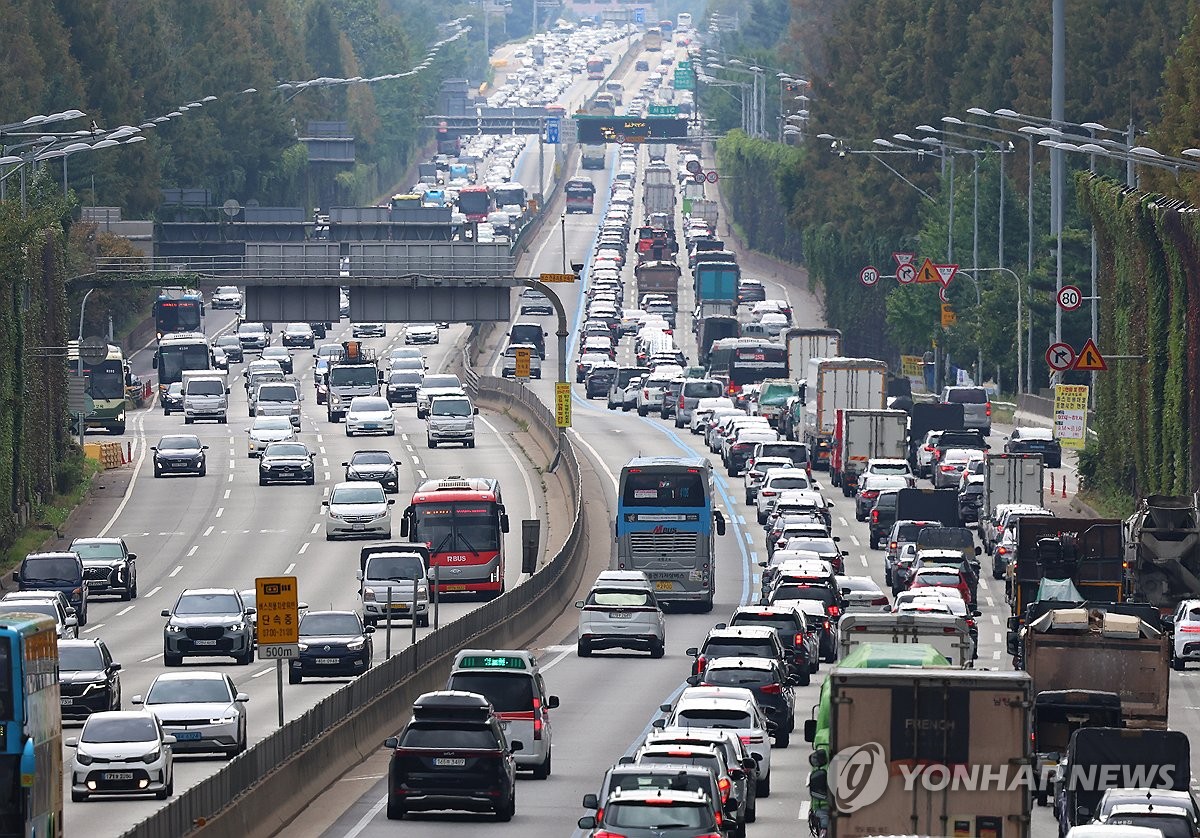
(541, 772)
(764, 786)
(1177, 664)
(783, 738)
(749, 499)
(262, 481)
(395, 809)
(312, 481)
(157, 471)
(430, 443)
(126, 595)
(423, 622)
(203, 470)
(642, 411)
(295, 676)
(505, 811)
(165, 413)
(624, 407)
(804, 678)
(657, 650)
(584, 649)
(762, 518)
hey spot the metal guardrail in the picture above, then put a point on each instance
(264, 781)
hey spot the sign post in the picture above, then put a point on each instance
(277, 624)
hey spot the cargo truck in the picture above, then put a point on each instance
(1011, 478)
(1071, 559)
(834, 384)
(659, 198)
(923, 504)
(805, 343)
(657, 152)
(862, 435)
(1162, 550)
(949, 635)
(705, 209)
(772, 397)
(716, 282)
(658, 277)
(898, 738)
(591, 157)
(930, 416)
(353, 373)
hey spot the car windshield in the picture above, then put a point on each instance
(967, 396)
(815, 545)
(789, 483)
(206, 387)
(639, 815)
(226, 289)
(97, 550)
(80, 658)
(508, 692)
(370, 406)
(360, 376)
(405, 378)
(938, 578)
(178, 443)
(277, 393)
(50, 570)
(286, 449)
(298, 327)
(251, 329)
(735, 648)
(817, 594)
(713, 717)
(189, 691)
(272, 423)
(116, 729)
(450, 407)
(372, 458)
(207, 604)
(775, 621)
(1171, 826)
(625, 598)
(396, 568)
(737, 677)
(449, 737)
(898, 469)
(430, 382)
(357, 494)
(228, 341)
(329, 624)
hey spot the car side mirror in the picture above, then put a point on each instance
(551, 702)
(391, 501)
(810, 730)
(241, 698)
(625, 761)
(16, 575)
(114, 667)
(324, 503)
(693, 680)
(659, 724)
(250, 612)
(693, 651)
(516, 745)
(72, 742)
(71, 621)
(368, 629)
(153, 447)
(587, 822)
(666, 708)
(590, 801)
(719, 521)
(203, 447)
(138, 700)
(132, 557)
(579, 603)
(392, 742)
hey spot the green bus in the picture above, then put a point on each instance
(105, 384)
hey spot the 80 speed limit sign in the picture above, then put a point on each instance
(1070, 298)
(869, 275)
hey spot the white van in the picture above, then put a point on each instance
(450, 418)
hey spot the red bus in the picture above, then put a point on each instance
(462, 520)
(595, 68)
(581, 195)
(475, 202)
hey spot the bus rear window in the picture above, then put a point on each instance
(657, 489)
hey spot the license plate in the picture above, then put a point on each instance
(449, 762)
(456, 587)
(327, 661)
(67, 702)
(118, 775)
(358, 526)
(205, 642)
(399, 606)
(187, 736)
(619, 615)
(664, 586)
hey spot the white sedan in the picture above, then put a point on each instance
(370, 415)
(268, 429)
(359, 508)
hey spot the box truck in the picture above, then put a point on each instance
(834, 384)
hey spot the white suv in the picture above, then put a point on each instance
(621, 616)
(738, 710)
(650, 393)
(777, 480)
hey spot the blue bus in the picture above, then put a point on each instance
(31, 761)
(665, 527)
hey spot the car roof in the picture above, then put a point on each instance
(749, 632)
(96, 539)
(657, 796)
(714, 698)
(208, 591)
(197, 675)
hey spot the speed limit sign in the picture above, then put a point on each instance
(1070, 298)
(869, 275)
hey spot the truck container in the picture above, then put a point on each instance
(1072, 559)
(899, 737)
(772, 397)
(949, 635)
(428, 173)
(922, 504)
(931, 416)
(591, 157)
(705, 209)
(658, 173)
(805, 343)
(657, 152)
(1011, 478)
(716, 281)
(659, 198)
(834, 384)
(1095, 649)
(862, 435)
(1162, 550)
(658, 277)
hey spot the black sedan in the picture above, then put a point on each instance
(1035, 441)
(171, 398)
(89, 679)
(286, 462)
(333, 644)
(281, 355)
(402, 386)
(180, 454)
(375, 465)
(599, 380)
(232, 347)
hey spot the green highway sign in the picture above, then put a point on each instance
(684, 65)
(684, 79)
(664, 110)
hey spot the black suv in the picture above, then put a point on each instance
(769, 682)
(89, 679)
(737, 641)
(799, 640)
(208, 622)
(61, 572)
(452, 755)
(108, 566)
(374, 464)
(882, 515)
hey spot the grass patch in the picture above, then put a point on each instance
(523, 424)
(1109, 503)
(1003, 415)
(47, 519)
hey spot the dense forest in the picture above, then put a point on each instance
(877, 68)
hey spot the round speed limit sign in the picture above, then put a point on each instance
(869, 275)
(1070, 298)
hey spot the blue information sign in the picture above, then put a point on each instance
(639, 15)
(552, 126)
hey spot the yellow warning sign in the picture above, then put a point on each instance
(278, 617)
(912, 366)
(562, 404)
(521, 356)
(1090, 359)
(928, 273)
(557, 277)
(949, 318)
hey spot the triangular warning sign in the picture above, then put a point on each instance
(945, 273)
(928, 273)
(1090, 359)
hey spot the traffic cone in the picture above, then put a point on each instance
(1064, 487)
(1051, 484)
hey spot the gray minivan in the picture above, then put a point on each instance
(977, 408)
(59, 571)
(695, 389)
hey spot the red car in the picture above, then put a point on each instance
(941, 577)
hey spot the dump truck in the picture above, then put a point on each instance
(862, 435)
(658, 277)
(1065, 559)
(834, 384)
(899, 736)
(1162, 550)
(659, 198)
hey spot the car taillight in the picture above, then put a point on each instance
(604, 833)
(971, 623)
(928, 447)
(880, 600)
(645, 394)
(989, 409)
(798, 640)
(767, 493)
(870, 493)
(771, 689)
(825, 625)
(746, 740)
(681, 404)
(833, 610)
(1193, 629)
(947, 468)
(723, 785)
(874, 516)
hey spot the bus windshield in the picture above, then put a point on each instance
(471, 526)
(105, 381)
(474, 202)
(752, 364)
(174, 359)
(177, 316)
(657, 489)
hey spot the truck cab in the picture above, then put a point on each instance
(205, 396)
(353, 373)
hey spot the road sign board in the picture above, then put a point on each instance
(521, 357)
(927, 273)
(664, 110)
(639, 15)
(712, 177)
(949, 318)
(945, 273)
(1069, 299)
(869, 275)
(277, 617)
(904, 258)
(1070, 415)
(694, 166)
(1090, 359)
(557, 277)
(75, 394)
(568, 132)
(686, 64)
(604, 129)
(906, 273)
(698, 177)
(562, 404)
(93, 350)
(1060, 356)
(552, 126)
(684, 79)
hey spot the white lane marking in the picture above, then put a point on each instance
(320, 438)
(749, 538)
(227, 492)
(991, 602)
(325, 462)
(561, 654)
(864, 559)
(263, 672)
(153, 591)
(996, 655)
(232, 452)
(220, 512)
(804, 807)
(326, 475)
(854, 540)
(208, 531)
(843, 521)
(366, 819)
(152, 658)
(233, 463)
(230, 480)
(316, 528)
(995, 620)
(404, 437)
(416, 460)
(322, 449)
(421, 474)
(289, 568)
(192, 552)
(98, 626)
(596, 458)
(125, 610)
(996, 637)
(409, 447)
(303, 549)
(138, 442)
(517, 460)
(175, 572)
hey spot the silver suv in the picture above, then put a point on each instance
(208, 622)
(977, 407)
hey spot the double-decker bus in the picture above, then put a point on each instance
(475, 202)
(178, 310)
(665, 527)
(105, 384)
(179, 352)
(581, 195)
(462, 521)
(683, 22)
(31, 758)
(652, 40)
(595, 68)
(752, 362)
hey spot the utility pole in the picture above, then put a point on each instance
(1057, 156)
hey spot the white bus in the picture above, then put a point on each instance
(683, 22)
